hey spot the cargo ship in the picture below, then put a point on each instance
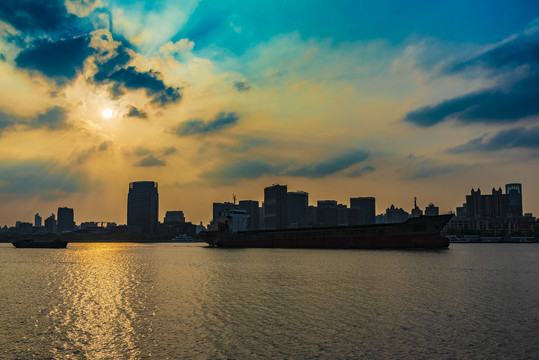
(421, 232)
(40, 243)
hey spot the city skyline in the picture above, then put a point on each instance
(341, 100)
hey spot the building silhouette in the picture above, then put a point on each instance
(432, 210)
(50, 224)
(275, 207)
(362, 211)
(327, 212)
(251, 208)
(220, 208)
(515, 198)
(174, 217)
(37, 220)
(65, 219)
(297, 203)
(416, 211)
(142, 206)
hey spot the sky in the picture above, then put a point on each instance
(341, 99)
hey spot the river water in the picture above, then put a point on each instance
(187, 301)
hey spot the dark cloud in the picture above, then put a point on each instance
(329, 166)
(150, 161)
(196, 126)
(242, 86)
(2, 57)
(42, 16)
(141, 151)
(130, 78)
(169, 151)
(518, 137)
(425, 171)
(241, 169)
(522, 50)
(60, 60)
(134, 112)
(36, 177)
(53, 118)
(104, 146)
(511, 100)
(360, 171)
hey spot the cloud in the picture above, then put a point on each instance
(516, 63)
(54, 118)
(242, 86)
(33, 177)
(115, 70)
(134, 112)
(150, 161)
(105, 145)
(179, 47)
(489, 106)
(360, 171)
(169, 151)
(241, 169)
(61, 60)
(141, 151)
(329, 166)
(37, 17)
(518, 137)
(196, 126)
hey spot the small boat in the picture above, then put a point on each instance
(182, 238)
(40, 243)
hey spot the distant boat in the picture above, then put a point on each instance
(182, 238)
(40, 243)
(422, 232)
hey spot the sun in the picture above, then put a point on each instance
(107, 113)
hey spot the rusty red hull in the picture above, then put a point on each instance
(423, 232)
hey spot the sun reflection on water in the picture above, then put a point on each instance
(98, 311)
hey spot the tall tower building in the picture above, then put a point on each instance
(515, 198)
(65, 219)
(251, 208)
(142, 206)
(37, 220)
(275, 211)
(362, 211)
(297, 204)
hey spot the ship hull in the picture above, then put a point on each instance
(423, 232)
(40, 244)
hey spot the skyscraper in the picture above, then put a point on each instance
(252, 209)
(297, 204)
(275, 212)
(515, 198)
(37, 220)
(362, 211)
(65, 219)
(142, 206)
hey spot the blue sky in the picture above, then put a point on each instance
(341, 99)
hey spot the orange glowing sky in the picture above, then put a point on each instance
(212, 99)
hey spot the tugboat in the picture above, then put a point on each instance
(40, 243)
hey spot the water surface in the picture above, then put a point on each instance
(174, 301)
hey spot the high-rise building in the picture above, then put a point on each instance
(327, 213)
(65, 219)
(251, 208)
(220, 208)
(432, 210)
(362, 211)
(297, 204)
(142, 206)
(50, 224)
(37, 220)
(174, 217)
(515, 198)
(275, 211)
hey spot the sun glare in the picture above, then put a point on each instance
(107, 113)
